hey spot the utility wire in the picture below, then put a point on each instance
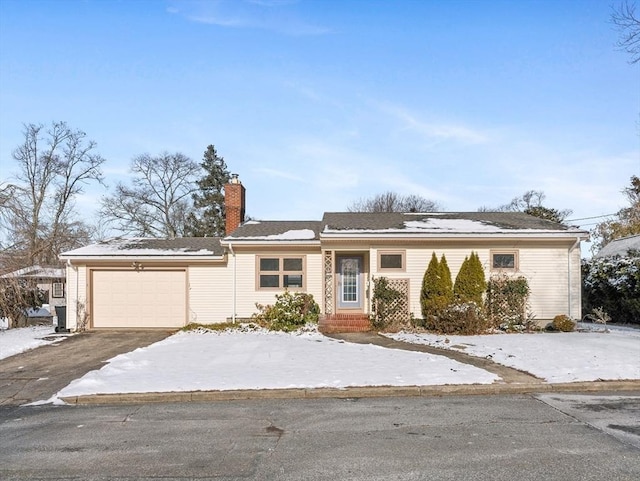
(588, 218)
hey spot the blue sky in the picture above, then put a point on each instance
(317, 103)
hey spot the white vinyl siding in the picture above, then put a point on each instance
(210, 293)
(545, 265)
(76, 291)
(247, 292)
(546, 269)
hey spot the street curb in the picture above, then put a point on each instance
(353, 392)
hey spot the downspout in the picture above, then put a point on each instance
(77, 287)
(233, 295)
(569, 277)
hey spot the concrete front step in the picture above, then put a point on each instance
(344, 323)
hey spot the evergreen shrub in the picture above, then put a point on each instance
(290, 312)
(459, 318)
(470, 282)
(437, 291)
(613, 284)
(563, 323)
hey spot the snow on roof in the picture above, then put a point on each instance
(276, 230)
(37, 272)
(440, 226)
(292, 234)
(441, 223)
(452, 225)
(187, 246)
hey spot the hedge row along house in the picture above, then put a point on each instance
(168, 283)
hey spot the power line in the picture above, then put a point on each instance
(588, 218)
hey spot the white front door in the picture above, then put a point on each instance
(350, 283)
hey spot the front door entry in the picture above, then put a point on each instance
(350, 285)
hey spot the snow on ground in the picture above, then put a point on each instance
(191, 361)
(15, 341)
(588, 355)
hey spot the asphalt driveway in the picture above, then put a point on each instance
(40, 373)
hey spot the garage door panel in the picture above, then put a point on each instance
(139, 298)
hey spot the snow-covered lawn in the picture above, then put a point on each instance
(191, 361)
(555, 357)
(15, 341)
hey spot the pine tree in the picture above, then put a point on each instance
(429, 287)
(446, 284)
(437, 288)
(470, 282)
(209, 217)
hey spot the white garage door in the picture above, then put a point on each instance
(146, 298)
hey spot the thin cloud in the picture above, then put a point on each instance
(439, 131)
(273, 15)
(279, 173)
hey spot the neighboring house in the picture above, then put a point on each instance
(52, 280)
(620, 247)
(143, 283)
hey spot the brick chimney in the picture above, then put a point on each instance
(233, 204)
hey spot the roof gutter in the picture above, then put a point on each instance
(453, 235)
(136, 257)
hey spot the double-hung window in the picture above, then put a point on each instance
(57, 289)
(281, 272)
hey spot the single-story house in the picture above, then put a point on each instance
(167, 283)
(51, 280)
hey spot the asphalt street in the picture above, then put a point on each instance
(512, 437)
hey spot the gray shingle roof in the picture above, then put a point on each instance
(277, 230)
(620, 247)
(181, 246)
(438, 222)
(332, 224)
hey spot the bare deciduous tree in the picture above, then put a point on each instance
(531, 203)
(37, 206)
(159, 200)
(17, 295)
(627, 22)
(393, 202)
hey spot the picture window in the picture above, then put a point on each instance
(391, 261)
(281, 272)
(504, 261)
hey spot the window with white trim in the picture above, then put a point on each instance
(57, 289)
(281, 272)
(504, 260)
(391, 260)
